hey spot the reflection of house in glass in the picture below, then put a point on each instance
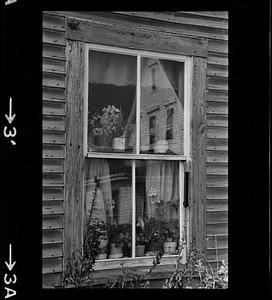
(162, 111)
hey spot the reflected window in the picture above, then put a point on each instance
(153, 78)
(169, 124)
(152, 128)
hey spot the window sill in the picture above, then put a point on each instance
(136, 156)
(108, 270)
(145, 261)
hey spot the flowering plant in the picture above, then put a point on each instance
(154, 196)
(153, 232)
(141, 234)
(109, 122)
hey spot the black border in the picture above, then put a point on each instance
(249, 111)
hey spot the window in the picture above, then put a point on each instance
(169, 124)
(152, 130)
(134, 166)
(153, 78)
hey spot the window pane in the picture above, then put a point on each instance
(111, 102)
(157, 207)
(108, 206)
(162, 85)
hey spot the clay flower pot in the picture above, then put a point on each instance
(140, 250)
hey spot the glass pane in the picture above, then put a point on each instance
(111, 102)
(157, 207)
(162, 106)
(108, 207)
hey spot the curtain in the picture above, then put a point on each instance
(111, 68)
(102, 205)
(175, 74)
(162, 189)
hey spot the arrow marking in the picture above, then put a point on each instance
(10, 117)
(10, 265)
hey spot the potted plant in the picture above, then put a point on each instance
(107, 123)
(119, 239)
(154, 235)
(171, 237)
(95, 239)
(126, 237)
(140, 238)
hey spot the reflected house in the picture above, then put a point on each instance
(162, 119)
(162, 110)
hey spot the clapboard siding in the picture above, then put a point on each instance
(217, 144)
(52, 265)
(53, 108)
(53, 22)
(217, 241)
(53, 66)
(53, 151)
(53, 147)
(52, 194)
(53, 137)
(52, 165)
(50, 251)
(53, 94)
(216, 168)
(53, 51)
(205, 25)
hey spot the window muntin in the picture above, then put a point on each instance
(139, 155)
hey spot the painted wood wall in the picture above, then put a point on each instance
(212, 26)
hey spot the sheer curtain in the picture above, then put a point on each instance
(102, 205)
(162, 189)
(112, 68)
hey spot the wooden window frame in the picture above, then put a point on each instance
(194, 51)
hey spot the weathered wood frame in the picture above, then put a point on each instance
(77, 33)
(197, 177)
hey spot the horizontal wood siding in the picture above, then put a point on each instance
(207, 27)
(54, 112)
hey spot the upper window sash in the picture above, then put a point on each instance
(187, 100)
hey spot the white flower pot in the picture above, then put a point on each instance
(119, 143)
(101, 256)
(170, 247)
(161, 146)
(115, 252)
